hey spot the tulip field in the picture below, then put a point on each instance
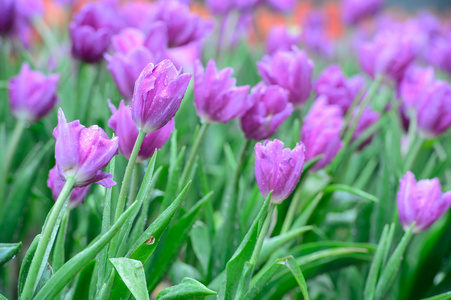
(224, 149)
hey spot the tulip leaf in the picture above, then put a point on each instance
(84, 280)
(390, 270)
(65, 274)
(7, 251)
(188, 289)
(173, 242)
(351, 190)
(3, 297)
(26, 262)
(132, 274)
(291, 264)
(201, 242)
(235, 265)
(444, 296)
(47, 273)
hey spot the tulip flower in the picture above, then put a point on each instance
(82, 153)
(314, 35)
(127, 39)
(438, 52)
(158, 93)
(7, 12)
(216, 97)
(278, 169)
(270, 108)
(421, 202)
(122, 123)
(414, 85)
(368, 118)
(32, 95)
(280, 38)
(357, 10)
(321, 132)
(292, 70)
(56, 184)
(91, 31)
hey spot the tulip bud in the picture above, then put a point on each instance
(122, 123)
(321, 132)
(82, 152)
(158, 93)
(32, 95)
(56, 184)
(270, 108)
(292, 70)
(421, 202)
(414, 85)
(127, 40)
(278, 169)
(357, 10)
(216, 97)
(280, 38)
(7, 15)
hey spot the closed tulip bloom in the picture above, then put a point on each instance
(292, 70)
(32, 95)
(56, 184)
(7, 15)
(158, 93)
(126, 68)
(122, 123)
(321, 132)
(91, 31)
(280, 38)
(414, 85)
(216, 97)
(357, 10)
(421, 202)
(270, 108)
(438, 52)
(127, 39)
(278, 169)
(82, 152)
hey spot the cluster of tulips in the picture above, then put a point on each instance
(341, 127)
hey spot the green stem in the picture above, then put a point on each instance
(128, 175)
(192, 156)
(294, 205)
(42, 250)
(58, 251)
(133, 186)
(11, 150)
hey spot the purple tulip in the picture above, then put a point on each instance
(367, 119)
(292, 70)
(357, 10)
(7, 15)
(158, 93)
(283, 6)
(278, 169)
(216, 97)
(220, 7)
(421, 202)
(56, 184)
(91, 31)
(333, 84)
(183, 26)
(82, 152)
(126, 68)
(314, 34)
(122, 123)
(321, 132)
(138, 14)
(390, 53)
(414, 85)
(438, 52)
(127, 39)
(32, 95)
(280, 38)
(270, 108)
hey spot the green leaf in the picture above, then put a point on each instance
(201, 242)
(132, 274)
(296, 271)
(84, 281)
(370, 286)
(79, 261)
(444, 296)
(3, 297)
(235, 266)
(391, 269)
(47, 273)
(349, 189)
(7, 251)
(25, 266)
(170, 248)
(188, 289)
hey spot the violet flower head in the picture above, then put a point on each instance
(216, 96)
(414, 85)
(280, 38)
(32, 95)
(283, 6)
(356, 10)
(220, 7)
(438, 52)
(82, 152)
(122, 123)
(56, 184)
(314, 35)
(368, 118)
(127, 39)
(333, 84)
(138, 14)
(390, 53)
(278, 169)
(159, 90)
(183, 26)
(126, 68)
(421, 202)
(292, 70)
(7, 15)
(321, 132)
(91, 31)
(270, 108)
